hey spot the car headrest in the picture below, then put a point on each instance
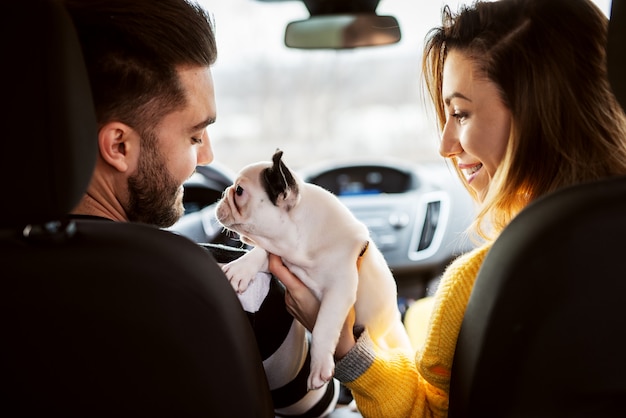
(49, 129)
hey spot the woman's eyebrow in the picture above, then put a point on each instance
(455, 95)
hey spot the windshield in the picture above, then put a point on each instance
(320, 105)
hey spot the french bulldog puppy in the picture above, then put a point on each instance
(323, 244)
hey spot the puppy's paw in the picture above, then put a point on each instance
(321, 372)
(238, 276)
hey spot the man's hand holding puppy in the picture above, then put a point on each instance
(304, 306)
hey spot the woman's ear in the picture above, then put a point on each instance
(119, 145)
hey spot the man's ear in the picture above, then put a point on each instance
(119, 145)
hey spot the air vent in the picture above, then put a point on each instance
(430, 225)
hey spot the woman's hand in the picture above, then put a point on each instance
(303, 305)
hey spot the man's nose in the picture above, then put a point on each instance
(205, 151)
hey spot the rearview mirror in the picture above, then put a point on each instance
(342, 31)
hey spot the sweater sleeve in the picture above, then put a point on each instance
(387, 383)
(401, 384)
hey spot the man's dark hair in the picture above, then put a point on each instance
(133, 48)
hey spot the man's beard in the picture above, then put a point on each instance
(153, 192)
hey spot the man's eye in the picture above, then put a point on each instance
(197, 140)
(239, 190)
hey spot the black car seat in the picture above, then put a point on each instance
(543, 334)
(99, 318)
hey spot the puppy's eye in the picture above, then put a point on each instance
(239, 190)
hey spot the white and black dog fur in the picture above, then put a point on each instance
(320, 241)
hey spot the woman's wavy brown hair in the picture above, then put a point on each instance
(548, 58)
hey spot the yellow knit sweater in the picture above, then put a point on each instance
(390, 384)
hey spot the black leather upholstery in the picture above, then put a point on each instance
(99, 318)
(543, 332)
(49, 126)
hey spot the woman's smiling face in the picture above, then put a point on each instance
(477, 125)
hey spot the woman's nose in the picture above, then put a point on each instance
(450, 145)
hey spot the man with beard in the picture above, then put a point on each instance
(154, 100)
(149, 64)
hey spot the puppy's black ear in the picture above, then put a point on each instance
(279, 182)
